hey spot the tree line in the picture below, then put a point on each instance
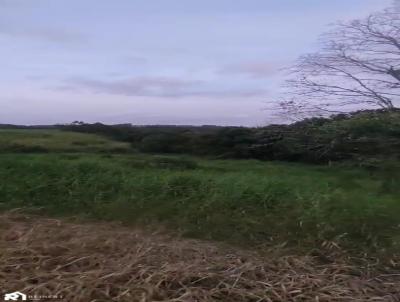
(359, 136)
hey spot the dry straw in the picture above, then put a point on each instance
(107, 262)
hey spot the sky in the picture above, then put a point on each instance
(156, 61)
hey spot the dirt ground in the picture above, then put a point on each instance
(69, 261)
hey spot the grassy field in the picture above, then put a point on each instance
(30, 141)
(245, 202)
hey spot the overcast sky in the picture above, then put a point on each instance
(155, 61)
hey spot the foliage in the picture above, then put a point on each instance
(359, 136)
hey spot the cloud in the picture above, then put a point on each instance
(255, 69)
(134, 60)
(54, 35)
(155, 87)
(7, 3)
(139, 86)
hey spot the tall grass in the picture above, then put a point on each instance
(243, 202)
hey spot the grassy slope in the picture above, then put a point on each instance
(243, 202)
(55, 141)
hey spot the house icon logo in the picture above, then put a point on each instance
(15, 296)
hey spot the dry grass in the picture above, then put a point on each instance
(108, 262)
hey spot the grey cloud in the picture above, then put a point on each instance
(231, 93)
(139, 86)
(156, 87)
(10, 3)
(37, 78)
(134, 60)
(255, 69)
(55, 35)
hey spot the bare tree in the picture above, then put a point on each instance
(358, 66)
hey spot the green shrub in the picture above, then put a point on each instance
(180, 163)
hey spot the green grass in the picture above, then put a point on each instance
(28, 141)
(244, 202)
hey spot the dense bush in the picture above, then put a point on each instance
(357, 136)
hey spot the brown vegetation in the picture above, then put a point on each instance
(108, 262)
